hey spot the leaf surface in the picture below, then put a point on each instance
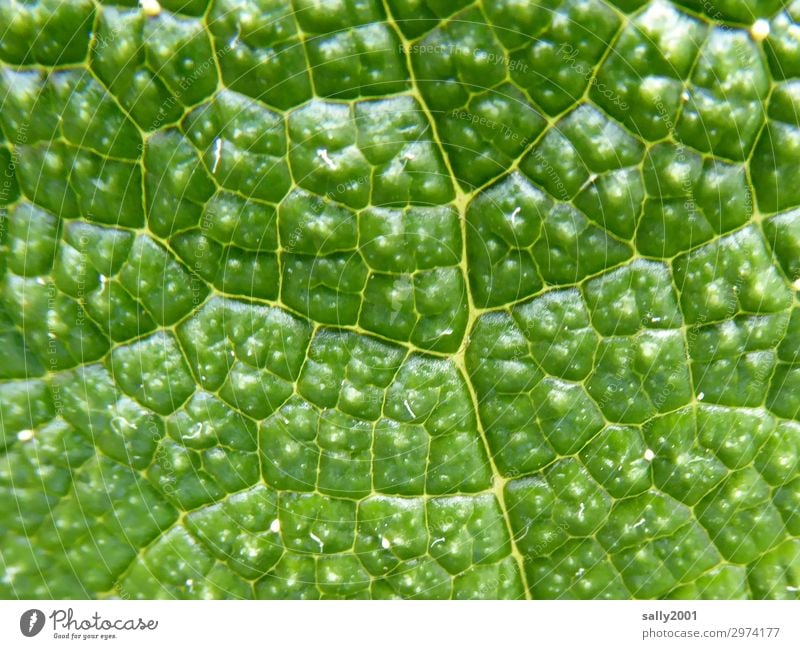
(379, 299)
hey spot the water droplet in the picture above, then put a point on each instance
(150, 7)
(759, 30)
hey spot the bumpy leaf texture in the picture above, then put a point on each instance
(400, 298)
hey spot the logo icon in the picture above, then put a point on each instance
(31, 622)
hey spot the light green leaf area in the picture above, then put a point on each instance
(400, 299)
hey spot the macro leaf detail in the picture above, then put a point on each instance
(400, 299)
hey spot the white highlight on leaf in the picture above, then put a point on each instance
(275, 526)
(588, 182)
(318, 540)
(199, 430)
(10, 573)
(408, 407)
(234, 42)
(121, 425)
(514, 214)
(150, 7)
(701, 396)
(759, 30)
(581, 509)
(649, 455)
(437, 541)
(217, 154)
(25, 435)
(323, 153)
(385, 543)
(638, 523)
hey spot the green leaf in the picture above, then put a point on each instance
(400, 299)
